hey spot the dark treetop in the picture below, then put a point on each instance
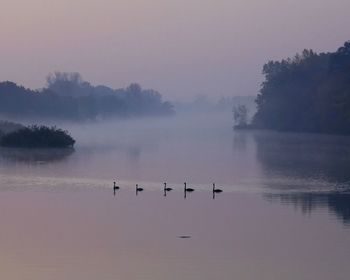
(308, 93)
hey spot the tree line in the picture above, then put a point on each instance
(307, 93)
(67, 96)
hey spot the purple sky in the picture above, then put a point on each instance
(181, 47)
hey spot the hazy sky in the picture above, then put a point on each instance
(180, 47)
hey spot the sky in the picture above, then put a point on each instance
(182, 48)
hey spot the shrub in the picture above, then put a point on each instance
(38, 137)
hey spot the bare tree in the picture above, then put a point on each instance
(240, 115)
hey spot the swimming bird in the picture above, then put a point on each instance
(138, 189)
(167, 189)
(115, 187)
(188, 189)
(216, 190)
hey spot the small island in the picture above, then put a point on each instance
(37, 137)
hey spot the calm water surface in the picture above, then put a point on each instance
(284, 213)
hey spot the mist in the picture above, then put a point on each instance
(193, 147)
(173, 139)
(180, 48)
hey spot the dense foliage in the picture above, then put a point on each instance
(309, 93)
(67, 96)
(37, 137)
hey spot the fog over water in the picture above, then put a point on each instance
(284, 212)
(199, 148)
(149, 150)
(284, 209)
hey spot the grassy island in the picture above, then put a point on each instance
(37, 137)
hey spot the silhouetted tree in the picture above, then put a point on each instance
(38, 137)
(309, 93)
(68, 96)
(240, 116)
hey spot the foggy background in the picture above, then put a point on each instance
(180, 48)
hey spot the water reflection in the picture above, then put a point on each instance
(166, 189)
(337, 203)
(308, 171)
(214, 195)
(298, 158)
(30, 156)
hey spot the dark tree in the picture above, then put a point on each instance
(309, 93)
(38, 137)
(69, 97)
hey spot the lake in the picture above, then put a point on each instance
(284, 212)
